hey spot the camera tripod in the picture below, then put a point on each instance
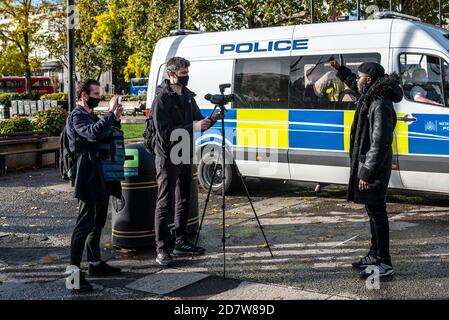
(220, 102)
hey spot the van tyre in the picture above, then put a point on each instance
(205, 172)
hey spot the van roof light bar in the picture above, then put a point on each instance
(181, 32)
(394, 15)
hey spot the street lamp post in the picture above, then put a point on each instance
(358, 9)
(181, 15)
(312, 12)
(71, 52)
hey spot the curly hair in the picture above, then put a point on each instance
(84, 86)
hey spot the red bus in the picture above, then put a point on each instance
(40, 85)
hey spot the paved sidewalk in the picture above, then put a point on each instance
(313, 238)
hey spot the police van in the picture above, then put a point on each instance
(288, 120)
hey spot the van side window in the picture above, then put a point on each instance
(446, 81)
(261, 83)
(421, 78)
(314, 84)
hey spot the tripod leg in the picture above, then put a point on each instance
(206, 203)
(223, 197)
(252, 207)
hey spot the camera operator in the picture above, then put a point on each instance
(175, 108)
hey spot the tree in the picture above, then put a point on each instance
(108, 36)
(54, 40)
(25, 16)
(10, 53)
(91, 61)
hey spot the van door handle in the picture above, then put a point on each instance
(407, 118)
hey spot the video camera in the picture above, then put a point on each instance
(220, 99)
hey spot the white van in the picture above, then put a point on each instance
(272, 70)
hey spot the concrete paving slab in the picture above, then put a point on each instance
(265, 206)
(401, 225)
(166, 281)
(64, 187)
(258, 291)
(3, 234)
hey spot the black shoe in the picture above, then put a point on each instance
(368, 260)
(103, 269)
(164, 259)
(84, 285)
(185, 248)
(385, 270)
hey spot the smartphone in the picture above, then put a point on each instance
(119, 99)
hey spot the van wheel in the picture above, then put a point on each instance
(206, 170)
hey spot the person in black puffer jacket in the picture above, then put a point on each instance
(371, 159)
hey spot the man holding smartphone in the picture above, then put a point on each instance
(85, 131)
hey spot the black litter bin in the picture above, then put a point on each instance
(133, 216)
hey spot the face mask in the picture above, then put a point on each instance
(93, 102)
(424, 80)
(183, 80)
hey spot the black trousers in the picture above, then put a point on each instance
(380, 231)
(173, 199)
(87, 232)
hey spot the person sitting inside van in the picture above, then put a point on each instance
(421, 92)
(349, 93)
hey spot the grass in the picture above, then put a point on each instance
(133, 130)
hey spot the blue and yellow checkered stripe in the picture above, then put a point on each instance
(312, 129)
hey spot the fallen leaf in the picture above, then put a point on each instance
(263, 246)
(278, 298)
(31, 265)
(316, 222)
(22, 191)
(50, 259)
(422, 244)
(325, 237)
(43, 211)
(34, 208)
(108, 244)
(43, 193)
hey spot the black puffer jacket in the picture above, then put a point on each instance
(169, 115)
(371, 140)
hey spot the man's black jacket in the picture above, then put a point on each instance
(169, 115)
(372, 140)
(85, 131)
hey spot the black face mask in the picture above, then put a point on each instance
(183, 80)
(93, 102)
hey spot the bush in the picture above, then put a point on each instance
(9, 96)
(16, 124)
(51, 121)
(60, 96)
(126, 97)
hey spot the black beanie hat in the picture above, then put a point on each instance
(372, 69)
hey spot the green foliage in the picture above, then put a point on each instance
(10, 96)
(60, 96)
(16, 124)
(126, 97)
(51, 121)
